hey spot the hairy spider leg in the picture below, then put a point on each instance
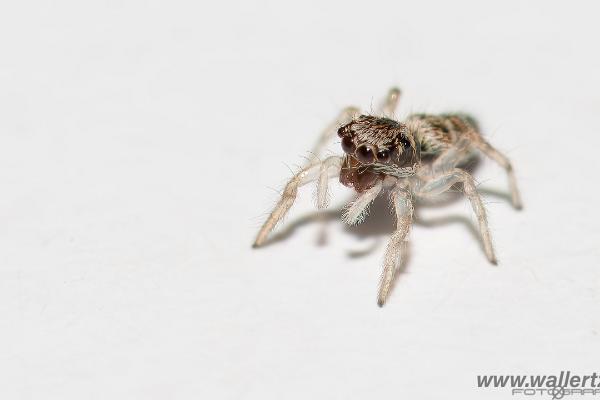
(504, 162)
(439, 184)
(320, 171)
(396, 249)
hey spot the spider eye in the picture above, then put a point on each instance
(405, 143)
(365, 153)
(383, 156)
(342, 131)
(402, 153)
(348, 145)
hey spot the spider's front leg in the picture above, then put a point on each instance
(320, 171)
(396, 248)
(439, 184)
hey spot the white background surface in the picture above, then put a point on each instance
(143, 143)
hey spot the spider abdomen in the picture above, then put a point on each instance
(437, 133)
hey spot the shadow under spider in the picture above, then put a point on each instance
(380, 222)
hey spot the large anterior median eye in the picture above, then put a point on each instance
(384, 156)
(365, 153)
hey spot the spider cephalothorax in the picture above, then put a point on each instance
(375, 147)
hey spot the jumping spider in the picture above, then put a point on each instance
(420, 157)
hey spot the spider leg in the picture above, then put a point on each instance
(320, 171)
(396, 248)
(504, 162)
(343, 117)
(441, 183)
(457, 153)
(448, 160)
(391, 102)
(355, 213)
(330, 168)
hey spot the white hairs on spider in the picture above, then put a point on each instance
(398, 172)
(353, 214)
(357, 211)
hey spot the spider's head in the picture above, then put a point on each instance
(375, 147)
